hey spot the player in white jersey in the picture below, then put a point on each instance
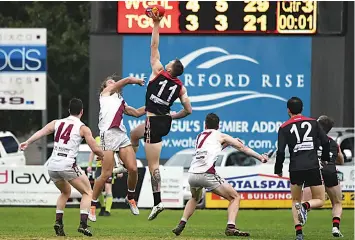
(62, 168)
(114, 138)
(202, 174)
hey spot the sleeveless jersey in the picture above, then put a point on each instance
(111, 112)
(162, 91)
(208, 146)
(67, 140)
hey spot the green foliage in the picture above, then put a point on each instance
(67, 26)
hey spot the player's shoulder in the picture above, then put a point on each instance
(298, 119)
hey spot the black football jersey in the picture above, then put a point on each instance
(303, 136)
(334, 151)
(161, 93)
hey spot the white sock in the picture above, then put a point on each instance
(183, 219)
(231, 222)
(129, 190)
(95, 200)
(84, 211)
(59, 211)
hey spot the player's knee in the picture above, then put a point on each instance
(105, 174)
(236, 197)
(66, 193)
(132, 168)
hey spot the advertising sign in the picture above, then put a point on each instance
(245, 80)
(23, 65)
(260, 188)
(171, 188)
(30, 185)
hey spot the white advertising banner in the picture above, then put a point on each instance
(259, 187)
(23, 66)
(27, 185)
(171, 188)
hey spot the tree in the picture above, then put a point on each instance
(67, 26)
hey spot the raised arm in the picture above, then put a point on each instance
(236, 143)
(46, 130)
(117, 86)
(86, 133)
(131, 111)
(280, 154)
(185, 101)
(154, 51)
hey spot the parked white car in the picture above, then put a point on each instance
(10, 153)
(229, 157)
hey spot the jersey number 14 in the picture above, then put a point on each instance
(65, 136)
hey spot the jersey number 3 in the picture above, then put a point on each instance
(65, 136)
(306, 138)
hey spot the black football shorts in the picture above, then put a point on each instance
(157, 127)
(310, 178)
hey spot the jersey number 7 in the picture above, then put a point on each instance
(66, 134)
(205, 136)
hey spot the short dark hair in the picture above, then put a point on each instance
(326, 123)
(114, 77)
(295, 105)
(212, 121)
(177, 68)
(75, 106)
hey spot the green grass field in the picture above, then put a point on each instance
(37, 223)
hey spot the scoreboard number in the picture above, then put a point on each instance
(193, 6)
(221, 6)
(223, 22)
(262, 6)
(193, 20)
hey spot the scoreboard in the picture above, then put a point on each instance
(221, 17)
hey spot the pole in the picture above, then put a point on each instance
(44, 139)
(60, 114)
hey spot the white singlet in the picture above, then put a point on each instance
(111, 112)
(208, 146)
(67, 140)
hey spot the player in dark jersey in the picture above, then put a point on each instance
(163, 89)
(330, 177)
(303, 136)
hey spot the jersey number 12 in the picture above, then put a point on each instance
(65, 135)
(306, 138)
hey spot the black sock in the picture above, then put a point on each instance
(84, 218)
(94, 203)
(298, 228)
(157, 198)
(59, 217)
(306, 205)
(103, 209)
(182, 222)
(336, 222)
(130, 195)
(231, 226)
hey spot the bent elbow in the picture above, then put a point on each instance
(188, 111)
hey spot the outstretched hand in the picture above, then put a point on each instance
(23, 145)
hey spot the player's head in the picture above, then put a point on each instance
(294, 106)
(109, 81)
(212, 121)
(76, 107)
(175, 68)
(326, 123)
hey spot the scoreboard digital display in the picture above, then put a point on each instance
(221, 17)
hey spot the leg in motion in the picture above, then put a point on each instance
(82, 184)
(189, 210)
(109, 197)
(335, 196)
(226, 191)
(299, 212)
(65, 190)
(102, 204)
(106, 172)
(137, 134)
(152, 151)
